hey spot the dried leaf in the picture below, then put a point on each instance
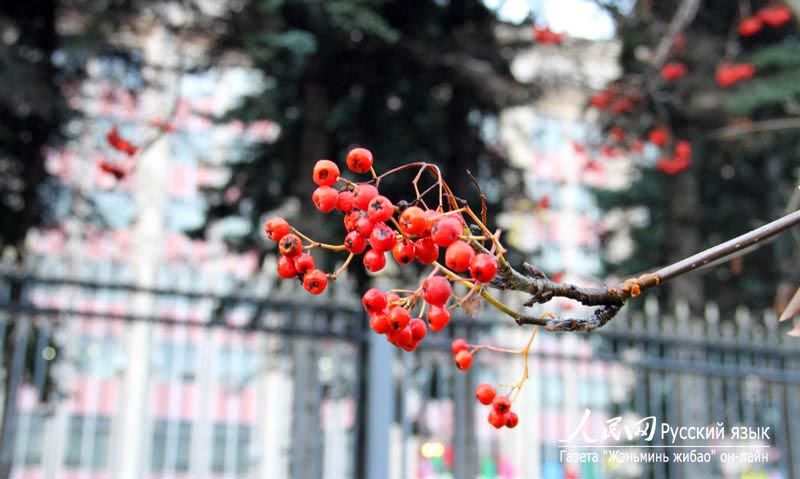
(472, 305)
(792, 309)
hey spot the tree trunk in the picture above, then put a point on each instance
(683, 239)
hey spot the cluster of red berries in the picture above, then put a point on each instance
(546, 36)
(730, 73)
(501, 414)
(680, 160)
(375, 226)
(772, 16)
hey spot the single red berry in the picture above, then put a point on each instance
(463, 360)
(374, 300)
(363, 194)
(355, 243)
(324, 198)
(445, 231)
(392, 298)
(382, 237)
(344, 201)
(413, 221)
(276, 228)
(438, 318)
(426, 251)
(501, 404)
(497, 419)
(418, 329)
(483, 267)
(351, 220)
(374, 261)
(659, 136)
(380, 209)
(359, 160)
(775, 15)
(511, 419)
(399, 317)
(430, 215)
(364, 226)
(410, 347)
(303, 263)
(401, 337)
(750, 26)
(403, 251)
(325, 173)
(485, 393)
(286, 267)
(458, 345)
(458, 256)
(436, 290)
(315, 281)
(290, 245)
(379, 322)
(673, 71)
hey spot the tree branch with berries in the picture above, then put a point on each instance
(433, 221)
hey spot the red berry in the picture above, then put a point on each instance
(286, 267)
(458, 256)
(374, 261)
(290, 245)
(363, 194)
(380, 209)
(392, 298)
(673, 71)
(445, 231)
(364, 226)
(355, 243)
(315, 281)
(463, 360)
(483, 267)
(501, 404)
(458, 345)
(775, 15)
(379, 322)
(659, 136)
(324, 198)
(402, 338)
(382, 237)
(399, 317)
(344, 201)
(750, 26)
(511, 419)
(418, 329)
(325, 173)
(412, 346)
(485, 393)
(276, 228)
(303, 263)
(497, 419)
(359, 160)
(426, 251)
(413, 221)
(438, 318)
(351, 220)
(403, 251)
(374, 300)
(436, 290)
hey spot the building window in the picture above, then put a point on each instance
(171, 446)
(88, 442)
(230, 449)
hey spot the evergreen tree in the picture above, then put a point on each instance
(413, 80)
(742, 174)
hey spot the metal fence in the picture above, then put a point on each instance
(210, 385)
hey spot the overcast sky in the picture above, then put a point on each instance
(578, 18)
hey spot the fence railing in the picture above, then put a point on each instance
(230, 384)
